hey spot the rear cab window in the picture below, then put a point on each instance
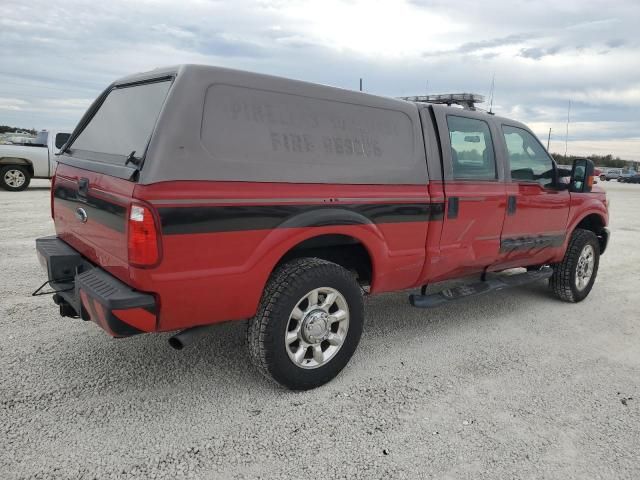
(122, 126)
(61, 139)
(472, 152)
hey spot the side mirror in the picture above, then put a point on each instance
(582, 175)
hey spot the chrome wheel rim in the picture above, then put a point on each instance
(584, 270)
(317, 327)
(14, 178)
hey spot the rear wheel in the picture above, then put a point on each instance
(308, 325)
(14, 178)
(573, 278)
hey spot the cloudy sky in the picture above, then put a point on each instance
(55, 57)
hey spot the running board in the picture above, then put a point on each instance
(479, 288)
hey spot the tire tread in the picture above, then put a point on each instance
(561, 282)
(259, 334)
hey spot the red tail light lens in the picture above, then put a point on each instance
(143, 238)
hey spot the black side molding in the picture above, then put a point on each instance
(453, 205)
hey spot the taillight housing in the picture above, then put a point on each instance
(143, 238)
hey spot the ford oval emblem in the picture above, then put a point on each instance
(81, 214)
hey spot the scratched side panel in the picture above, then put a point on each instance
(217, 276)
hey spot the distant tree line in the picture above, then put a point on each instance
(8, 129)
(608, 161)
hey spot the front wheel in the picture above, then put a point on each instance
(14, 178)
(308, 324)
(573, 278)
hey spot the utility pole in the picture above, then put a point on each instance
(361, 84)
(566, 138)
(548, 140)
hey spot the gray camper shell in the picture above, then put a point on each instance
(228, 125)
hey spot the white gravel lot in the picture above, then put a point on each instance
(511, 385)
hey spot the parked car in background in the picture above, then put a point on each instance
(633, 179)
(20, 163)
(611, 174)
(625, 175)
(597, 172)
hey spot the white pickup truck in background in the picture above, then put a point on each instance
(20, 163)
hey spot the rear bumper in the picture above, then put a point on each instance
(89, 292)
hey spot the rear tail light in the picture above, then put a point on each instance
(143, 237)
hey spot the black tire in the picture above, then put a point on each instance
(266, 331)
(563, 281)
(8, 170)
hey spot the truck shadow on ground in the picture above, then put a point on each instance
(220, 362)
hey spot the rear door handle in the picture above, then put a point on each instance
(511, 205)
(83, 187)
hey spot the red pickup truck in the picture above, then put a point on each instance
(195, 195)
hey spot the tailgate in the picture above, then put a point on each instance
(90, 214)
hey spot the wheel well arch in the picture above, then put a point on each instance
(595, 223)
(342, 249)
(4, 161)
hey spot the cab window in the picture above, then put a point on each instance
(529, 162)
(472, 154)
(61, 139)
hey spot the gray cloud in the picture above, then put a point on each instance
(477, 46)
(537, 53)
(542, 53)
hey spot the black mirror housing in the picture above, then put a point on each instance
(582, 175)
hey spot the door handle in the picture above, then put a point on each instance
(511, 205)
(83, 187)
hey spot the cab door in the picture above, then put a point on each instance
(474, 194)
(537, 207)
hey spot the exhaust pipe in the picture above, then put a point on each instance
(188, 336)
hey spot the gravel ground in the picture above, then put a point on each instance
(511, 385)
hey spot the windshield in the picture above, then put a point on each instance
(123, 124)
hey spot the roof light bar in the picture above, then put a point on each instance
(465, 100)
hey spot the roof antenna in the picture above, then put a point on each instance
(493, 84)
(566, 138)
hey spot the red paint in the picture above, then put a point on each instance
(137, 317)
(97, 242)
(213, 277)
(539, 211)
(470, 241)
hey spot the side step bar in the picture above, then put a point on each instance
(479, 288)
